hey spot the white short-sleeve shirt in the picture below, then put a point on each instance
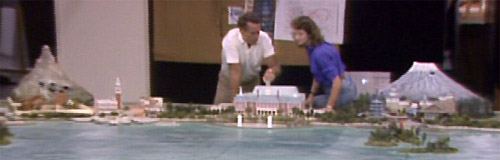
(235, 50)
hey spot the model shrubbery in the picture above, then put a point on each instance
(393, 134)
(4, 134)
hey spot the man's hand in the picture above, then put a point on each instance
(274, 69)
(269, 76)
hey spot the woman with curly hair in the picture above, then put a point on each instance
(331, 88)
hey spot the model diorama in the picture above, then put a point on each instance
(424, 97)
(270, 100)
(47, 90)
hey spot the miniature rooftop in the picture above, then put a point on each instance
(285, 94)
(275, 90)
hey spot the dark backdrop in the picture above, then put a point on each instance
(39, 23)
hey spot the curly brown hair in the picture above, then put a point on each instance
(308, 25)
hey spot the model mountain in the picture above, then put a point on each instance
(47, 81)
(426, 80)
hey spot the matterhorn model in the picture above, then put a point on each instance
(48, 84)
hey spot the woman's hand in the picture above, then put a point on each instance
(330, 108)
(310, 101)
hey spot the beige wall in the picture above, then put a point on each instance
(98, 41)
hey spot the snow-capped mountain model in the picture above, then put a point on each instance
(48, 80)
(427, 80)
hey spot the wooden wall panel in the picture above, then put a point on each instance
(290, 54)
(192, 32)
(189, 31)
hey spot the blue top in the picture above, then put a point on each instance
(326, 63)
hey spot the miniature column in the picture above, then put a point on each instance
(240, 120)
(269, 121)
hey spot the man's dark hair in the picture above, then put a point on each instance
(248, 17)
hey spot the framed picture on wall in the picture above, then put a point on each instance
(476, 11)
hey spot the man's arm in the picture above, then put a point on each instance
(270, 57)
(235, 77)
(336, 85)
(273, 64)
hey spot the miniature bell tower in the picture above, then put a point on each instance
(118, 93)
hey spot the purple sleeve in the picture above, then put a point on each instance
(330, 64)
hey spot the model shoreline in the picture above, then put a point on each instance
(263, 125)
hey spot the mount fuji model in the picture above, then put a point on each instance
(426, 80)
(48, 84)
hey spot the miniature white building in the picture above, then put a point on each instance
(270, 100)
(445, 105)
(221, 107)
(153, 106)
(4, 110)
(394, 104)
(425, 102)
(377, 108)
(413, 110)
(12, 103)
(106, 106)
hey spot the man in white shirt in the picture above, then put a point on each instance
(243, 51)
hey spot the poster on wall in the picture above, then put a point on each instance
(328, 15)
(235, 13)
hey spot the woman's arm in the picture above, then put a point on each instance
(334, 94)
(314, 90)
(314, 87)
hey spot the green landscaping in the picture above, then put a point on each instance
(49, 115)
(191, 111)
(4, 135)
(349, 114)
(393, 134)
(464, 120)
(439, 146)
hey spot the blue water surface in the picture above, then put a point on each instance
(192, 141)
